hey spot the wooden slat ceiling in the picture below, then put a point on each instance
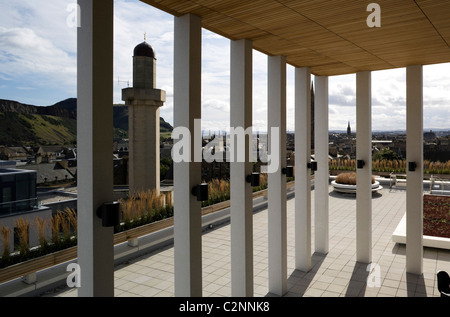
(330, 36)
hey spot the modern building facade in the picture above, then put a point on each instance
(320, 38)
(18, 200)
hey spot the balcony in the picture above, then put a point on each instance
(335, 274)
(334, 232)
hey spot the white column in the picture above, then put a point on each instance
(414, 179)
(187, 174)
(321, 176)
(364, 174)
(276, 179)
(302, 172)
(240, 190)
(95, 164)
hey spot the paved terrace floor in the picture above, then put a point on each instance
(334, 274)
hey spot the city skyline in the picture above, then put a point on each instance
(38, 57)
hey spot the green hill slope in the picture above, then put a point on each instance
(22, 124)
(33, 129)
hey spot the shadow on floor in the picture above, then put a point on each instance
(359, 280)
(299, 281)
(350, 196)
(415, 285)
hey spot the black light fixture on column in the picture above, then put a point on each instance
(200, 191)
(253, 179)
(312, 165)
(288, 170)
(109, 212)
(412, 166)
(360, 163)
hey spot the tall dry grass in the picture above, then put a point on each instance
(41, 226)
(397, 166)
(218, 190)
(63, 226)
(349, 178)
(144, 207)
(23, 231)
(55, 224)
(5, 234)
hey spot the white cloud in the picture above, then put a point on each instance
(23, 52)
(38, 48)
(389, 99)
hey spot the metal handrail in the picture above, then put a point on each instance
(392, 180)
(11, 207)
(441, 182)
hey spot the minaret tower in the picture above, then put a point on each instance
(143, 101)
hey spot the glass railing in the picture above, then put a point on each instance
(18, 206)
(439, 186)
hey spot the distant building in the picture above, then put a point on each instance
(57, 171)
(18, 199)
(143, 101)
(429, 136)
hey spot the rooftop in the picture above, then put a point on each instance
(333, 274)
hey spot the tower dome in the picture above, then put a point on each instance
(144, 49)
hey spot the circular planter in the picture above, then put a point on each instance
(346, 188)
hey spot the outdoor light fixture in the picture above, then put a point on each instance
(288, 170)
(200, 191)
(312, 165)
(109, 213)
(412, 166)
(253, 179)
(360, 163)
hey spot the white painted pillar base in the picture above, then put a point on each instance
(414, 179)
(133, 243)
(95, 135)
(321, 176)
(302, 171)
(187, 108)
(30, 278)
(240, 190)
(277, 180)
(364, 174)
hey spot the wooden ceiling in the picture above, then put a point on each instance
(330, 36)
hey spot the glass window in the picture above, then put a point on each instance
(6, 194)
(6, 197)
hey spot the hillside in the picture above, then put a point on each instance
(33, 129)
(22, 124)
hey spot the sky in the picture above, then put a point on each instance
(38, 66)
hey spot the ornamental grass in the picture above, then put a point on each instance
(349, 178)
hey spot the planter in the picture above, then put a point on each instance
(37, 264)
(351, 189)
(399, 236)
(49, 260)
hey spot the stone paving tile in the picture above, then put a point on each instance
(335, 274)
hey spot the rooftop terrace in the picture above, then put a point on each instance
(336, 274)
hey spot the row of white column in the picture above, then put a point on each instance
(241, 210)
(95, 248)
